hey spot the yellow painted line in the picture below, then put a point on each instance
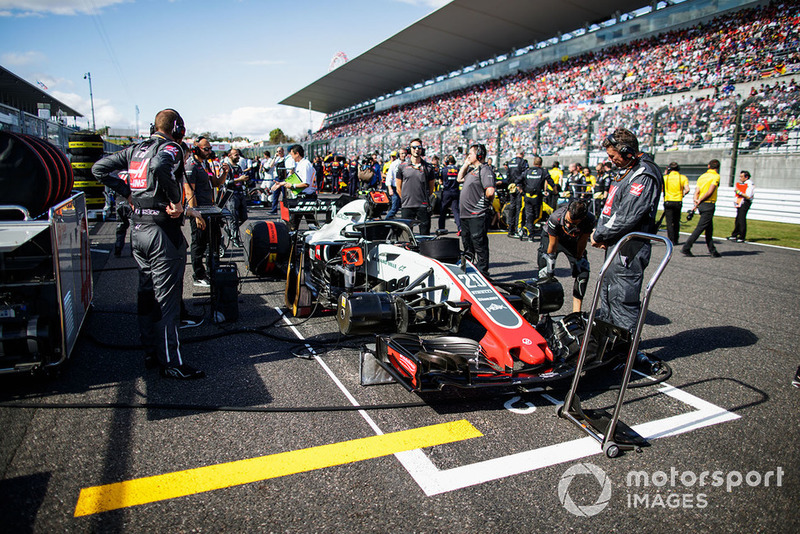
(191, 481)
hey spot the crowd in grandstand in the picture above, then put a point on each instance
(563, 99)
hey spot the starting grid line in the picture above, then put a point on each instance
(405, 445)
(434, 481)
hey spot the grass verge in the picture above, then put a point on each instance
(771, 233)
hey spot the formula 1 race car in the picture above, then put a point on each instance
(438, 321)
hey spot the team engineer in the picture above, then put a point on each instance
(475, 201)
(155, 168)
(415, 182)
(568, 230)
(200, 181)
(631, 206)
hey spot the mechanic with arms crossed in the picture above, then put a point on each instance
(155, 168)
(568, 230)
(630, 207)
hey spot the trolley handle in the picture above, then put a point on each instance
(596, 299)
(13, 208)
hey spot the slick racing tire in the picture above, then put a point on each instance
(297, 296)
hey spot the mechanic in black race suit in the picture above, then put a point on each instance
(415, 180)
(155, 168)
(476, 200)
(235, 179)
(533, 182)
(631, 206)
(450, 193)
(516, 170)
(568, 230)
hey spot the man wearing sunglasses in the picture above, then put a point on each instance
(414, 182)
(199, 191)
(568, 230)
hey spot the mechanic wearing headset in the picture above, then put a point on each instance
(415, 180)
(198, 189)
(155, 168)
(474, 202)
(568, 230)
(630, 207)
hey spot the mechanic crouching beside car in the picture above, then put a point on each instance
(475, 200)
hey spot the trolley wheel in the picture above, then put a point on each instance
(611, 450)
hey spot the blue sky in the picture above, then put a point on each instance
(223, 65)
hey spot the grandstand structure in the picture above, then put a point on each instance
(696, 80)
(24, 108)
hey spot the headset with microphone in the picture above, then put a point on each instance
(480, 152)
(622, 148)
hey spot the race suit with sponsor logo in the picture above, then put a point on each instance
(631, 206)
(155, 171)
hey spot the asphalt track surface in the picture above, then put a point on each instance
(450, 462)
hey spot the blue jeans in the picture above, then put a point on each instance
(394, 207)
(275, 199)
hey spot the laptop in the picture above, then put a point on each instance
(216, 209)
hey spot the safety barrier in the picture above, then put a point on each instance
(776, 205)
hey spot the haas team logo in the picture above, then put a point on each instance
(137, 174)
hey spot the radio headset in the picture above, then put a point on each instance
(622, 148)
(178, 126)
(480, 152)
(196, 147)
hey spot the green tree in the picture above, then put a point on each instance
(277, 137)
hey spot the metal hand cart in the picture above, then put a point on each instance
(604, 430)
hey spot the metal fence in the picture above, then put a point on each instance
(14, 120)
(761, 124)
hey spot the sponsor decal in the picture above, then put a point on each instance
(405, 363)
(172, 150)
(636, 189)
(137, 174)
(610, 200)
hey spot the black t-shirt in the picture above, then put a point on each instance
(198, 176)
(235, 172)
(557, 220)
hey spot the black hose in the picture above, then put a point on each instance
(207, 408)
